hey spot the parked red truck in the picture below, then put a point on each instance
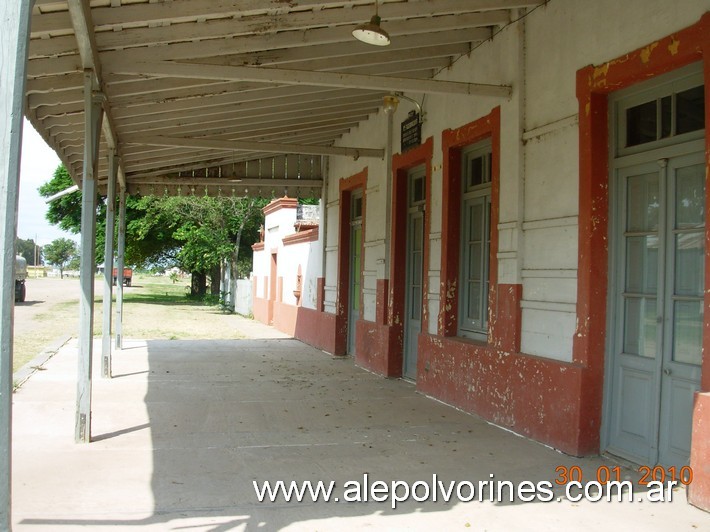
(127, 276)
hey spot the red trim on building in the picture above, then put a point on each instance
(494, 379)
(260, 306)
(509, 317)
(382, 340)
(285, 317)
(381, 303)
(316, 328)
(259, 246)
(402, 163)
(453, 141)
(303, 225)
(310, 235)
(280, 203)
(522, 389)
(320, 293)
(594, 84)
(531, 395)
(347, 187)
(699, 489)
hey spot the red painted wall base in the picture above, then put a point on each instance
(536, 397)
(285, 317)
(312, 326)
(379, 348)
(699, 489)
(317, 329)
(260, 310)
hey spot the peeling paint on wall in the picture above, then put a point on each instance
(647, 51)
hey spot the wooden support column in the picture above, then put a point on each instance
(119, 265)
(108, 265)
(93, 114)
(14, 43)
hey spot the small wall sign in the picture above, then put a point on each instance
(411, 132)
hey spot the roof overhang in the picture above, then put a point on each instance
(239, 97)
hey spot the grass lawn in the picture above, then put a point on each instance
(154, 308)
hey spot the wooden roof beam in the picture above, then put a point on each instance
(272, 147)
(80, 13)
(301, 77)
(261, 11)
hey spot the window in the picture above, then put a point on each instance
(475, 240)
(356, 207)
(666, 113)
(417, 190)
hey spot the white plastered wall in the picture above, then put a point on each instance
(539, 162)
(306, 255)
(278, 225)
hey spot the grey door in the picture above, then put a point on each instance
(355, 281)
(414, 271)
(659, 247)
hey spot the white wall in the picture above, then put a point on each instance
(307, 256)
(278, 225)
(539, 153)
(242, 305)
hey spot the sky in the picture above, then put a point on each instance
(37, 166)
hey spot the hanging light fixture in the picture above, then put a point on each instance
(371, 32)
(390, 103)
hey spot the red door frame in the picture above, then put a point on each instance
(346, 188)
(594, 85)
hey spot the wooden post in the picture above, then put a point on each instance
(14, 42)
(108, 265)
(119, 266)
(93, 115)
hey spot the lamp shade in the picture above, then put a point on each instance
(372, 33)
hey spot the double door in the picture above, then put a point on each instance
(656, 307)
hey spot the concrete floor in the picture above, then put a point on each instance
(185, 427)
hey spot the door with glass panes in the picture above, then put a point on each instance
(416, 192)
(657, 281)
(355, 261)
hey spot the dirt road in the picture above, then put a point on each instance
(42, 295)
(50, 312)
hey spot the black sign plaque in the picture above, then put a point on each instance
(411, 132)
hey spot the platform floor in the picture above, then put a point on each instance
(185, 427)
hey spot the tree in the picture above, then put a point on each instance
(143, 249)
(64, 212)
(59, 252)
(197, 233)
(29, 250)
(210, 232)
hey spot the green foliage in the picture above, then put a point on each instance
(150, 241)
(308, 201)
(28, 249)
(195, 233)
(64, 212)
(75, 262)
(60, 252)
(206, 229)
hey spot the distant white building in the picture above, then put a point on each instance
(287, 266)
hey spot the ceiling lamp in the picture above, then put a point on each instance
(390, 103)
(371, 32)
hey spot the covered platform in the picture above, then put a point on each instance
(185, 427)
